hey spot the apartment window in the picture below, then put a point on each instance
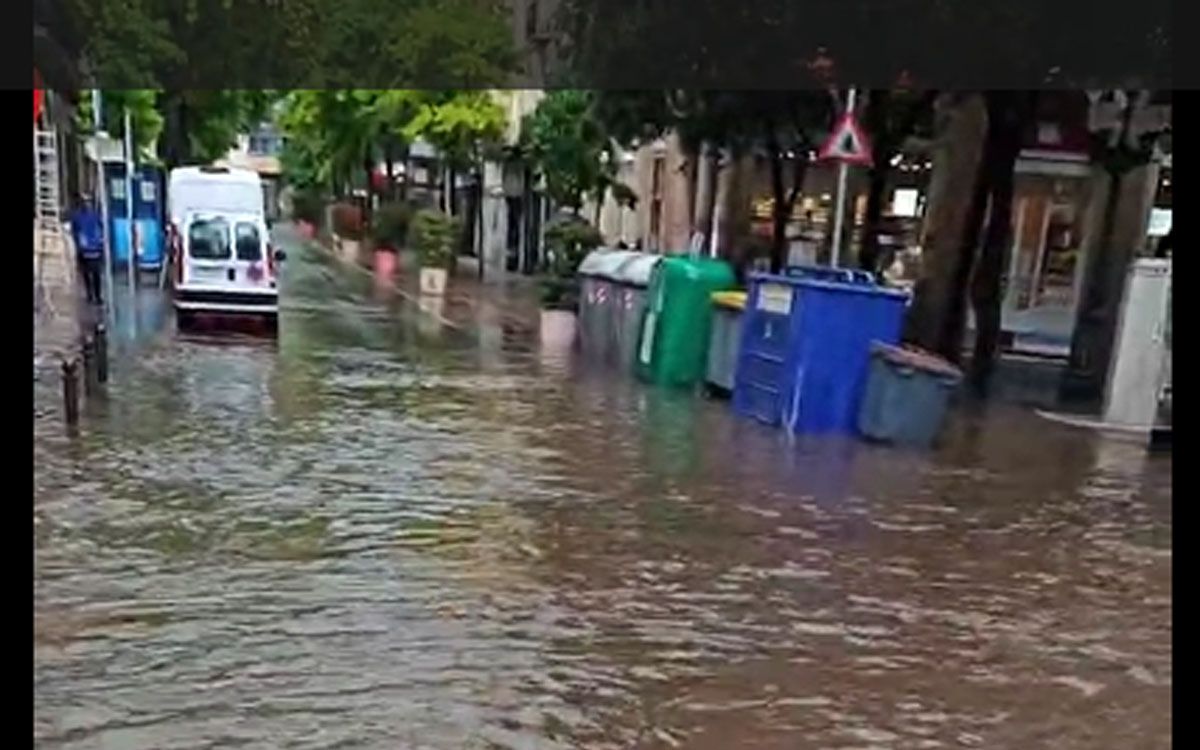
(531, 21)
(264, 145)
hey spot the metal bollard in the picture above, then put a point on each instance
(101, 353)
(90, 382)
(70, 378)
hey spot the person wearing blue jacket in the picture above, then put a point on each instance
(88, 233)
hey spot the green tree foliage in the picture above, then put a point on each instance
(181, 49)
(570, 147)
(781, 126)
(457, 123)
(143, 115)
(433, 236)
(331, 133)
(569, 239)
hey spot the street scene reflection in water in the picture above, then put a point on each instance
(396, 527)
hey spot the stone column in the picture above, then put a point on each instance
(1103, 283)
(494, 228)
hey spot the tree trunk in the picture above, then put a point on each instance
(479, 220)
(176, 145)
(950, 342)
(407, 162)
(390, 167)
(369, 171)
(875, 120)
(708, 171)
(693, 173)
(961, 126)
(1007, 115)
(779, 215)
(869, 258)
(799, 171)
(1083, 381)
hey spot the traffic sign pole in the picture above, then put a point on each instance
(840, 210)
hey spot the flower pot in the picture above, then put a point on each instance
(558, 329)
(384, 264)
(429, 322)
(433, 281)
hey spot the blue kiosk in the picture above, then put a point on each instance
(148, 210)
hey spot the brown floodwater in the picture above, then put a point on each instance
(397, 527)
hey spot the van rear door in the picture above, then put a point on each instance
(250, 247)
(208, 256)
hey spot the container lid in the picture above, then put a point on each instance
(847, 288)
(603, 263)
(637, 268)
(730, 300)
(830, 273)
(711, 270)
(917, 359)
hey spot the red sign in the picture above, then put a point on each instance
(847, 143)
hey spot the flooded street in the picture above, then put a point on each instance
(395, 529)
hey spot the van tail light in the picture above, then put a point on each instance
(176, 252)
(271, 260)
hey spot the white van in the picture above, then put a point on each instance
(220, 242)
(216, 189)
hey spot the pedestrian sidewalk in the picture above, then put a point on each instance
(57, 306)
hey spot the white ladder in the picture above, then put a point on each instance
(48, 217)
(46, 182)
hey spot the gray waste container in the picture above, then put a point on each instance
(725, 340)
(597, 303)
(907, 394)
(632, 280)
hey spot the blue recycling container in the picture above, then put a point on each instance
(806, 342)
(148, 207)
(907, 395)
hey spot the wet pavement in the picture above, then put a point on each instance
(397, 528)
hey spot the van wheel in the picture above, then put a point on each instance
(185, 321)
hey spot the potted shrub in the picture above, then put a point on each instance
(348, 229)
(568, 241)
(432, 234)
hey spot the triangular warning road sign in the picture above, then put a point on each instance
(847, 143)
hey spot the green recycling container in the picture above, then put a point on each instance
(673, 346)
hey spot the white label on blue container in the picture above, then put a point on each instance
(775, 298)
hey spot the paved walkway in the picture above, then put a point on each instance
(57, 305)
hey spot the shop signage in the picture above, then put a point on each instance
(847, 143)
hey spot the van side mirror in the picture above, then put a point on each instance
(280, 256)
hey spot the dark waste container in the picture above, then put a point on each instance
(598, 300)
(725, 340)
(908, 392)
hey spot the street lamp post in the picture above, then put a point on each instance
(129, 200)
(102, 194)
